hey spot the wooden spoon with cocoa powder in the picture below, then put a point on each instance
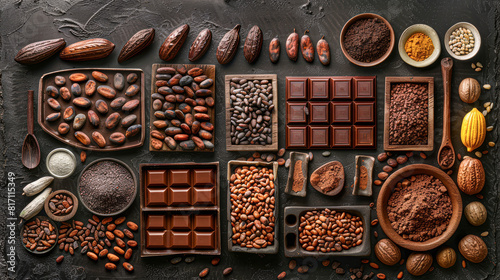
(446, 154)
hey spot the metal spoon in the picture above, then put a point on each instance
(446, 66)
(31, 149)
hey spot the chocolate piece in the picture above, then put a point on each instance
(203, 177)
(341, 112)
(156, 197)
(156, 239)
(341, 137)
(180, 240)
(179, 196)
(364, 136)
(180, 222)
(156, 178)
(204, 240)
(364, 88)
(156, 222)
(179, 178)
(296, 112)
(319, 112)
(364, 112)
(296, 137)
(203, 196)
(319, 89)
(319, 136)
(204, 222)
(341, 88)
(297, 89)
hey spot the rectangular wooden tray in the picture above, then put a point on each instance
(209, 70)
(291, 235)
(51, 128)
(274, 145)
(430, 140)
(145, 252)
(231, 165)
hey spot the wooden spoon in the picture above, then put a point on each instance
(446, 66)
(31, 149)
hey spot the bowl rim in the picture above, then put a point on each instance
(380, 59)
(41, 218)
(50, 155)
(386, 191)
(427, 30)
(477, 40)
(134, 195)
(62, 218)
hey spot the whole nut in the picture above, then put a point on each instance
(387, 252)
(446, 257)
(418, 263)
(469, 90)
(476, 213)
(473, 248)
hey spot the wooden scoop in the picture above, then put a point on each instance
(31, 150)
(446, 66)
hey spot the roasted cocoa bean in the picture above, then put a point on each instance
(157, 134)
(113, 120)
(69, 114)
(171, 143)
(87, 50)
(65, 94)
(117, 138)
(166, 70)
(128, 120)
(76, 89)
(160, 124)
(117, 103)
(132, 78)
(132, 90)
(99, 76)
(90, 87)
(156, 144)
(206, 83)
(187, 145)
(253, 44)
(106, 91)
(78, 77)
(128, 267)
(54, 104)
(119, 81)
(133, 130)
(60, 80)
(82, 102)
(101, 106)
(53, 117)
(228, 45)
(210, 101)
(307, 47)
(292, 46)
(52, 91)
(136, 44)
(79, 121)
(323, 50)
(93, 118)
(82, 138)
(174, 42)
(63, 128)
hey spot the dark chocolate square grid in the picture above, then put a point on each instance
(331, 112)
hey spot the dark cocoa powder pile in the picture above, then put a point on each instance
(298, 177)
(367, 40)
(419, 208)
(409, 114)
(446, 156)
(363, 177)
(106, 187)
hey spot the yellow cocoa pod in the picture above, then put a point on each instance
(473, 130)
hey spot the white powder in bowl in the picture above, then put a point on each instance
(61, 164)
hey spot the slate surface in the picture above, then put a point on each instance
(23, 22)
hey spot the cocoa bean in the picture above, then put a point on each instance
(253, 44)
(93, 118)
(110, 266)
(185, 81)
(133, 130)
(195, 127)
(156, 144)
(60, 80)
(112, 120)
(128, 267)
(185, 128)
(160, 124)
(78, 77)
(106, 91)
(117, 103)
(79, 121)
(171, 143)
(200, 78)
(65, 94)
(200, 45)
(165, 90)
(90, 87)
(292, 46)
(207, 126)
(174, 42)
(132, 90)
(181, 137)
(82, 102)
(132, 78)
(99, 76)
(203, 93)
(171, 131)
(128, 120)
(119, 81)
(210, 101)
(206, 83)
(52, 91)
(185, 108)
(198, 142)
(117, 138)
(39, 51)
(187, 145)
(53, 117)
(166, 70)
(82, 138)
(274, 50)
(87, 50)
(69, 114)
(136, 44)
(228, 45)
(202, 117)
(54, 104)
(101, 106)
(175, 80)
(63, 128)
(323, 50)
(307, 47)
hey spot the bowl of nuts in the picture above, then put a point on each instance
(462, 41)
(61, 205)
(39, 235)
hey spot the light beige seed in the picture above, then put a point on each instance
(486, 104)
(479, 154)
(484, 234)
(485, 113)
(489, 128)
(478, 69)
(479, 64)
(473, 66)
(487, 86)
(491, 144)
(488, 109)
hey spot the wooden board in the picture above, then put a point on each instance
(430, 140)
(274, 118)
(51, 127)
(208, 70)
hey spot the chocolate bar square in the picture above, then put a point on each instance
(341, 88)
(180, 222)
(364, 112)
(179, 178)
(364, 88)
(204, 177)
(319, 89)
(296, 88)
(204, 240)
(179, 196)
(319, 136)
(319, 112)
(156, 178)
(364, 136)
(341, 112)
(296, 112)
(296, 136)
(156, 222)
(156, 239)
(341, 136)
(156, 197)
(204, 222)
(204, 196)
(180, 239)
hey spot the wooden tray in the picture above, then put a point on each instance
(274, 127)
(231, 165)
(209, 70)
(291, 232)
(51, 128)
(430, 129)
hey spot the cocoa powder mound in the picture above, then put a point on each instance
(328, 178)
(420, 208)
(446, 156)
(367, 40)
(298, 177)
(363, 177)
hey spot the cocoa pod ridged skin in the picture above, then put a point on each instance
(90, 49)
(274, 50)
(253, 44)
(307, 47)
(39, 51)
(228, 45)
(174, 42)
(136, 44)
(292, 46)
(200, 45)
(323, 50)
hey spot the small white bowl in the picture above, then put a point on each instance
(60, 150)
(427, 30)
(477, 40)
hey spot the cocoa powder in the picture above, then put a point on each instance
(419, 208)
(298, 177)
(446, 156)
(367, 40)
(363, 177)
(328, 178)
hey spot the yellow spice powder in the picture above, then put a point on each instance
(419, 46)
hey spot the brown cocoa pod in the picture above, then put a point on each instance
(101, 106)
(90, 87)
(52, 91)
(132, 78)
(132, 90)
(156, 144)
(82, 102)
(76, 89)
(112, 120)
(79, 122)
(93, 118)
(228, 45)
(65, 94)
(171, 143)
(78, 77)
(274, 50)
(128, 120)
(136, 44)
(133, 130)
(117, 138)
(99, 76)
(110, 266)
(253, 44)
(63, 128)
(53, 117)
(106, 91)
(128, 267)
(307, 47)
(69, 114)
(156, 134)
(54, 104)
(292, 46)
(200, 45)
(118, 103)
(90, 49)
(198, 142)
(174, 42)
(203, 93)
(60, 80)
(119, 81)
(166, 70)
(39, 51)
(82, 137)
(323, 50)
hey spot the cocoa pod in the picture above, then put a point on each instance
(200, 45)
(79, 121)
(106, 91)
(128, 120)
(76, 90)
(82, 137)
(112, 120)
(156, 144)
(69, 114)
(228, 45)
(133, 130)
(101, 106)
(39, 51)
(63, 128)
(54, 104)
(323, 50)
(90, 87)
(117, 103)
(82, 102)
(171, 143)
(99, 139)
(136, 44)
(60, 80)
(131, 105)
(93, 118)
(117, 138)
(53, 117)
(292, 46)
(52, 91)
(132, 90)
(253, 44)
(174, 42)
(99, 76)
(307, 47)
(274, 50)
(90, 49)
(132, 78)
(65, 94)
(78, 77)
(119, 81)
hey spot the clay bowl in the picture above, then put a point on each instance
(340, 186)
(61, 218)
(41, 218)
(375, 62)
(386, 192)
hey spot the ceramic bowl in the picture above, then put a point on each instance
(363, 16)
(41, 218)
(477, 40)
(427, 30)
(61, 218)
(387, 190)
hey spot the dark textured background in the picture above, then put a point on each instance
(23, 22)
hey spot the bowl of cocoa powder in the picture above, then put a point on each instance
(419, 207)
